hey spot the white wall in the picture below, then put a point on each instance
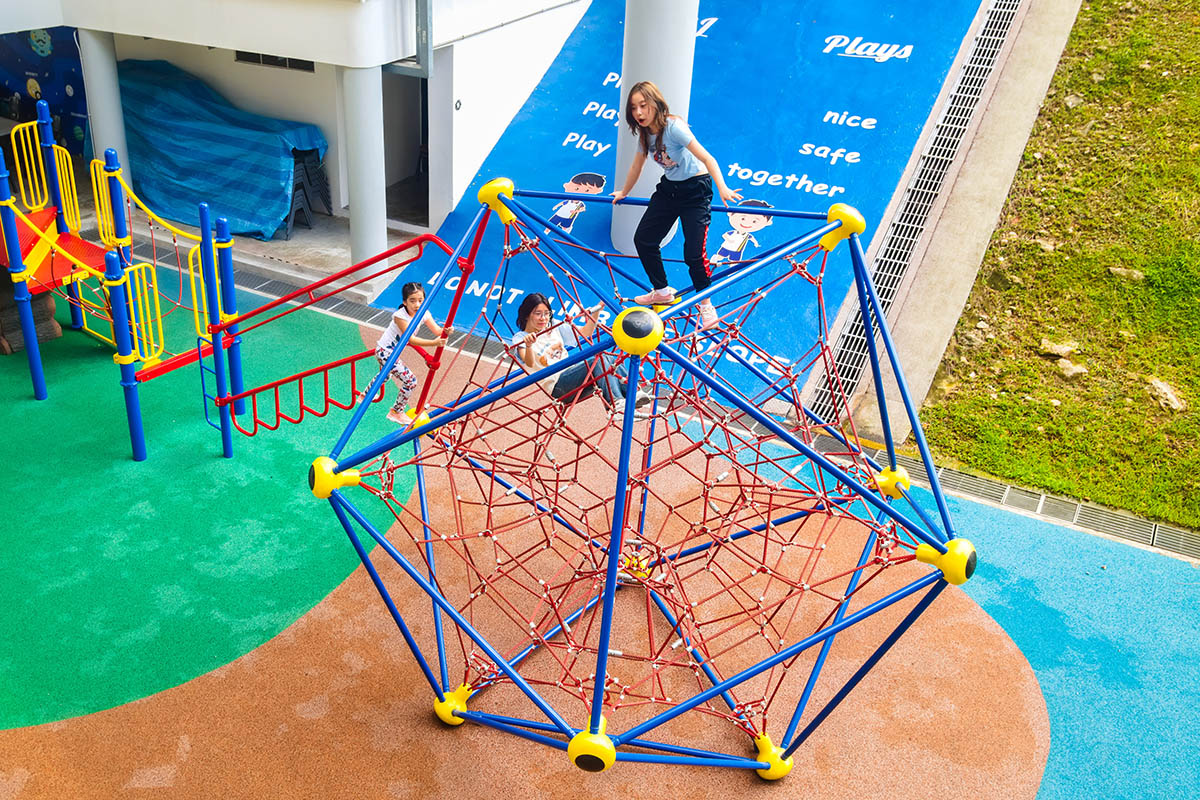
(17, 16)
(441, 136)
(270, 91)
(494, 74)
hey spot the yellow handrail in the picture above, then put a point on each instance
(66, 184)
(146, 209)
(104, 213)
(31, 172)
(199, 293)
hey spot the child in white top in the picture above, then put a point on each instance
(538, 345)
(413, 295)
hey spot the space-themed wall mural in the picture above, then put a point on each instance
(43, 64)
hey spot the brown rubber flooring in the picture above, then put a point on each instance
(335, 707)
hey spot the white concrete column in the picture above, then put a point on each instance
(362, 96)
(98, 55)
(660, 46)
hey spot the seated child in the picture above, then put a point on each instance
(539, 345)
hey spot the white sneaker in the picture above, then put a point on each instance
(398, 417)
(656, 297)
(643, 399)
(708, 316)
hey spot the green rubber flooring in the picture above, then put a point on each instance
(119, 579)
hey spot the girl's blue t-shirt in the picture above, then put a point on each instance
(672, 155)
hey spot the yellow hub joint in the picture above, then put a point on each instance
(957, 563)
(891, 481)
(852, 222)
(489, 194)
(455, 701)
(323, 477)
(770, 754)
(592, 752)
(418, 420)
(637, 330)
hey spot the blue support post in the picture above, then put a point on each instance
(860, 267)
(864, 305)
(427, 532)
(229, 310)
(116, 200)
(785, 654)
(46, 137)
(53, 184)
(387, 599)
(21, 295)
(917, 611)
(402, 342)
(214, 319)
(828, 643)
(462, 622)
(619, 512)
(787, 437)
(115, 279)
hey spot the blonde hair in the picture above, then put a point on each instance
(653, 96)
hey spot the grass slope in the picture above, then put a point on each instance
(1110, 179)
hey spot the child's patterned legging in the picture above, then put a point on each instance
(403, 375)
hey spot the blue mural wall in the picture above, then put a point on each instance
(802, 104)
(43, 64)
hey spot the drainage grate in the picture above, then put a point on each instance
(1122, 525)
(1176, 540)
(907, 226)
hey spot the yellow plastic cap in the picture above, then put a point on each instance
(852, 222)
(891, 481)
(455, 701)
(957, 563)
(637, 330)
(592, 752)
(489, 195)
(323, 477)
(768, 752)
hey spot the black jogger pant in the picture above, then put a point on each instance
(690, 202)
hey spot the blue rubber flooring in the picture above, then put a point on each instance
(1111, 632)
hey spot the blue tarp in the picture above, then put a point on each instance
(189, 144)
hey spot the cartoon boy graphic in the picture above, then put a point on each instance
(566, 211)
(733, 243)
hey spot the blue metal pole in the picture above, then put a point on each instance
(746, 271)
(46, 137)
(228, 310)
(728, 761)
(783, 655)
(463, 624)
(701, 659)
(531, 216)
(828, 643)
(218, 339)
(492, 722)
(827, 465)
(21, 296)
(700, 548)
(428, 533)
(387, 599)
(382, 377)
(641, 201)
(619, 513)
(864, 306)
(116, 200)
(919, 609)
(115, 279)
(860, 261)
(453, 413)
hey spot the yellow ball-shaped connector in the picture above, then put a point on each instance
(769, 753)
(852, 222)
(637, 330)
(891, 481)
(418, 421)
(323, 477)
(489, 195)
(957, 563)
(637, 567)
(455, 701)
(592, 752)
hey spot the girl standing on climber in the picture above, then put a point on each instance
(684, 193)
